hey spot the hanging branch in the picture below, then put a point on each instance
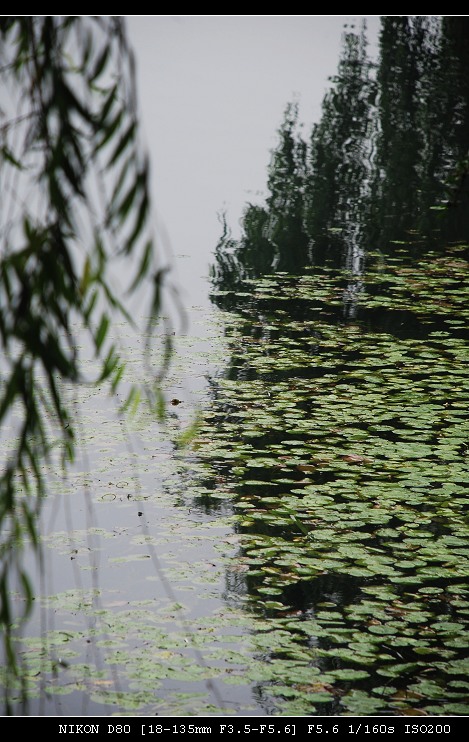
(75, 199)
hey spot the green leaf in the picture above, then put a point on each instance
(100, 65)
(124, 141)
(108, 130)
(102, 331)
(144, 266)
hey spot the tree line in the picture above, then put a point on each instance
(386, 163)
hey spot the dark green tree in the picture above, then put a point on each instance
(273, 235)
(400, 145)
(251, 256)
(285, 202)
(339, 162)
(74, 205)
(445, 168)
(422, 130)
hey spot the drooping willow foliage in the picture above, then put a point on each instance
(74, 203)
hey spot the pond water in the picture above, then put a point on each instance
(293, 539)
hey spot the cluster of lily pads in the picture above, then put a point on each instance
(325, 530)
(340, 431)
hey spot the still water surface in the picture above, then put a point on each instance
(306, 553)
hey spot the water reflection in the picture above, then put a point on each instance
(337, 436)
(385, 165)
(339, 427)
